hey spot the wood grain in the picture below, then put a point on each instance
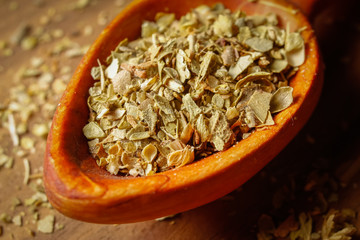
(329, 142)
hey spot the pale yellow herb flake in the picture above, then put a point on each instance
(46, 225)
(281, 99)
(121, 82)
(191, 107)
(242, 64)
(139, 136)
(149, 153)
(278, 65)
(112, 69)
(259, 44)
(202, 128)
(205, 66)
(295, 49)
(92, 130)
(181, 66)
(17, 220)
(223, 26)
(260, 104)
(180, 158)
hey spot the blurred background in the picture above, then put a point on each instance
(316, 175)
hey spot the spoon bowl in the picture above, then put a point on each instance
(78, 188)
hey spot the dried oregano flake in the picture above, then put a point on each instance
(188, 88)
(46, 225)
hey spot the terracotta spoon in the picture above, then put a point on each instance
(78, 188)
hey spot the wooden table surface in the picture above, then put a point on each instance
(328, 145)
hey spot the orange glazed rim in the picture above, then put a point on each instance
(78, 188)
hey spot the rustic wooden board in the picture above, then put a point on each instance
(329, 143)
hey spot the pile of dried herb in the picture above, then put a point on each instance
(188, 88)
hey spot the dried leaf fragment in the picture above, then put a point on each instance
(182, 157)
(191, 107)
(163, 20)
(121, 82)
(149, 153)
(278, 65)
(187, 133)
(296, 57)
(139, 136)
(251, 77)
(281, 99)
(112, 69)
(29, 42)
(223, 26)
(260, 44)
(46, 225)
(12, 130)
(175, 85)
(148, 28)
(241, 65)
(181, 66)
(293, 41)
(221, 134)
(17, 220)
(295, 49)
(228, 56)
(6, 161)
(206, 65)
(202, 128)
(305, 227)
(92, 130)
(4, 217)
(113, 164)
(260, 104)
